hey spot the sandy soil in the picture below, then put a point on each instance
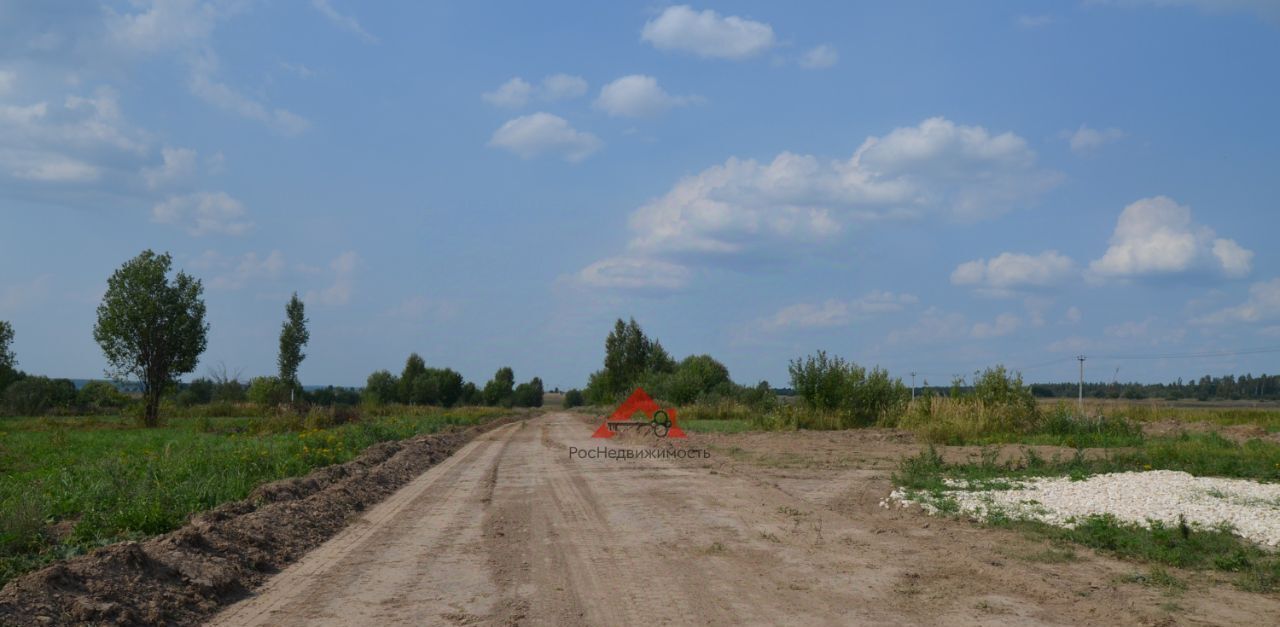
(772, 529)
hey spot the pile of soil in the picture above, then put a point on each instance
(220, 556)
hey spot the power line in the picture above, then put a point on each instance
(1250, 351)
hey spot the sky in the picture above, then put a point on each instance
(932, 187)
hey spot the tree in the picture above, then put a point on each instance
(7, 358)
(573, 398)
(414, 367)
(381, 388)
(499, 389)
(150, 327)
(293, 336)
(9, 373)
(528, 394)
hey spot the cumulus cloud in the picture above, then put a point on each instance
(238, 273)
(637, 96)
(1085, 139)
(1004, 324)
(937, 168)
(1012, 271)
(634, 273)
(1156, 236)
(707, 33)
(512, 94)
(76, 141)
(1263, 304)
(178, 164)
(345, 22)
(835, 313)
(540, 133)
(517, 92)
(562, 87)
(820, 57)
(204, 213)
(344, 273)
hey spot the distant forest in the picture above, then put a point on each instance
(1245, 387)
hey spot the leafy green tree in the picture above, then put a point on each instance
(381, 388)
(293, 337)
(471, 395)
(528, 394)
(100, 396)
(628, 356)
(268, 391)
(7, 358)
(499, 389)
(414, 367)
(448, 385)
(9, 372)
(573, 398)
(150, 327)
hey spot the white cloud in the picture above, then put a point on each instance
(204, 213)
(541, 133)
(7, 80)
(223, 96)
(1034, 21)
(512, 94)
(637, 96)
(835, 313)
(707, 34)
(76, 142)
(1128, 329)
(1012, 271)
(1073, 315)
(179, 163)
(345, 22)
(562, 87)
(1263, 304)
(239, 273)
(1156, 236)
(517, 92)
(823, 56)
(344, 273)
(934, 325)
(634, 273)
(1085, 139)
(1004, 324)
(937, 168)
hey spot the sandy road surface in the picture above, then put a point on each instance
(511, 530)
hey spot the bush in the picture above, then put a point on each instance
(36, 395)
(268, 391)
(528, 394)
(97, 396)
(381, 388)
(841, 394)
(573, 398)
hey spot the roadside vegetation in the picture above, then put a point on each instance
(68, 485)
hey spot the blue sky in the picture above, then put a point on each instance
(934, 187)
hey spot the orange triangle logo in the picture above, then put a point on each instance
(638, 402)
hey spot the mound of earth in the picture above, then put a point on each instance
(221, 555)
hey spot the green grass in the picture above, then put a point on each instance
(716, 426)
(1178, 545)
(68, 485)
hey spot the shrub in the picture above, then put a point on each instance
(268, 391)
(528, 394)
(841, 394)
(100, 396)
(380, 388)
(36, 395)
(573, 398)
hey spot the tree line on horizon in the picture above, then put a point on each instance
(152, 330)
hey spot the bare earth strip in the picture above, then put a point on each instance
(511, 530)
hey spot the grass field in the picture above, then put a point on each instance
(68, 485)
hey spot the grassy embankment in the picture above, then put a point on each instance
(68, 485)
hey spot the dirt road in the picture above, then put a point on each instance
(512, 530)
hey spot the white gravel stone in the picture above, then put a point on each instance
(1251, 508)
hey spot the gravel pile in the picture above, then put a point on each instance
(1251, 508)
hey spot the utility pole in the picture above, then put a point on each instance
(913, 385)
(1081, 358)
